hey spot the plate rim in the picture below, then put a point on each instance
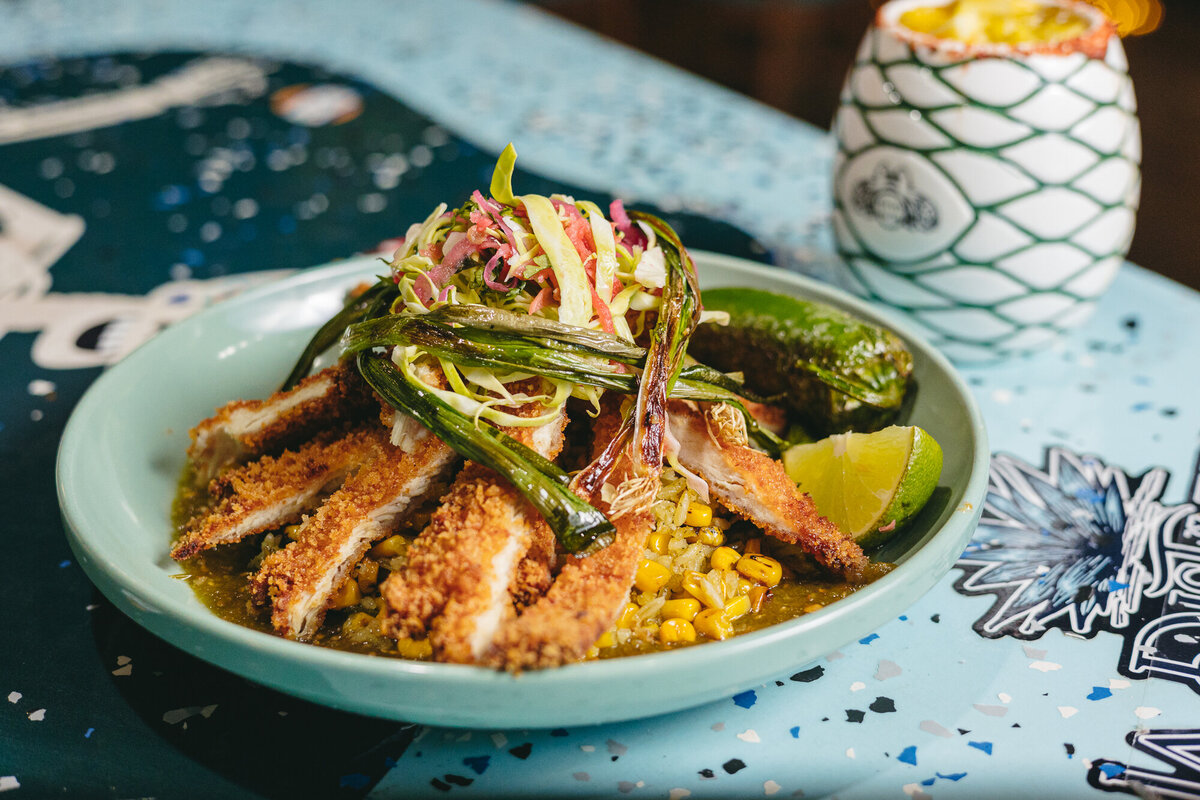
(142, 602)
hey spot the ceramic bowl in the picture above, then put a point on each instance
(123, 452)
(987, 191)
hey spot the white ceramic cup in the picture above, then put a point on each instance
(987, 191)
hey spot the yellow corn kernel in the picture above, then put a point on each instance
(695, 584)
(738, 607)
(753, 546)
(711, 536)
(758, 596)
(290, 531)
(414, 648)
(659, 542)
(367, 574)
(681, 608)
(698, 515)
(606, 640)
(390, 547)
(676, 630)
(348, 594)
(763, 569)
(357, 624)
(713, 623)
(627, 615)
(724, 558)
(811, 607)
(651, 576)
(744, 585)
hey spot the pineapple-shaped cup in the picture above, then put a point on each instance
(986, 190)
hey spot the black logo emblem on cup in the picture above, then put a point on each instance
(889, 198)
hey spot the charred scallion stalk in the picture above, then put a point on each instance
(678, 316)
(466, 346)
(509, 326)
(578, 526)
(520, 343)
(643, 433)
(371, 303)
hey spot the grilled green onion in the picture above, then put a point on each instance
(643, 431)
(580, 528)
(554, 350)
(373, 302)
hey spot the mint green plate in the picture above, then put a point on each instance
(123, 450)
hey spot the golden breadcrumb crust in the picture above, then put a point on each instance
(300, 578)
(271, 492)
(337, 394)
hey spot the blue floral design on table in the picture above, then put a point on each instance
(1086, 547)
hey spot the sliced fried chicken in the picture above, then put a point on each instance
(756, 487)
(588, 592)
(273, 491)
(581, 604)
(249, 428)
(300, 579)
(535, 572)
(464, 566)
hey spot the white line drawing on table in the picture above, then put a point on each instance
(213, 80)
(1175, 748)
(83, 329)
(78, 330)
(32, 238)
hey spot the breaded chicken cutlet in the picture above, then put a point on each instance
(495, 319)
(464, 568)
(484, 582)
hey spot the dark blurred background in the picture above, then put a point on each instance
(793, 54)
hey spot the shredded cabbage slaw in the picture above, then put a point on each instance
(551, 257)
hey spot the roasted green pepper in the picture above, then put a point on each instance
(799, 350)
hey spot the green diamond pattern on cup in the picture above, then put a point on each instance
(990, 199)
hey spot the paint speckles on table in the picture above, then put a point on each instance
(180, 716)
(745, 699)
(887, 669)
(971, 687)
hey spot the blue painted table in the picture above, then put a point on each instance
(156, 156)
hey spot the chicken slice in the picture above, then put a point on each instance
(582, 603)
(756, 487)
(247, 428)
(589, 591)
(300, 579)
(535, 572)
(463, 567)
(273, 491)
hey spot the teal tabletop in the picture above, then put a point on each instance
(157, 157)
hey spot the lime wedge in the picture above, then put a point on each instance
(868, 484)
